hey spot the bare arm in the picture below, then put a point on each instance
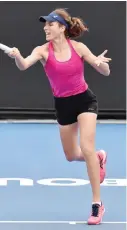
(100, 63)
(24, 63)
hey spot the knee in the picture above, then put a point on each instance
(87, 149)
(69, 157)
(87, 152)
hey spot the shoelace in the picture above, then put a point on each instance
(95, 210)
(101, 162)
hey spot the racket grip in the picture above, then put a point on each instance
(5, 48)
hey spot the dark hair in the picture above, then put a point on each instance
(76, 25)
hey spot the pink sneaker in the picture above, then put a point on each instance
(102, 156)
(97, 214)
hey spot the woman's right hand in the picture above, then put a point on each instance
(14, 53)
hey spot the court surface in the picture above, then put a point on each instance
(41, 190)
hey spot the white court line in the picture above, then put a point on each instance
(29, 121)
(57, 222)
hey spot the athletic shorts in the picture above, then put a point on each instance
(68, 108)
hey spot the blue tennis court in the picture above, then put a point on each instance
(40, 189)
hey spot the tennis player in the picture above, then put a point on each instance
(76, 105)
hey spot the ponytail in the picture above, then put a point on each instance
(77, 28)
(76, 25)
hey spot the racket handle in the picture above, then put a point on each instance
(5, 48)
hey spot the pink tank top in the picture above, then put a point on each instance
(66, 78)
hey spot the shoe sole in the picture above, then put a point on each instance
(100, 222)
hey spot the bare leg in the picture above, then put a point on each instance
(87, 126)
(72, 150)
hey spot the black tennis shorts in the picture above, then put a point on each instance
(68, 108)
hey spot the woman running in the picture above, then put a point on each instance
(76, 105)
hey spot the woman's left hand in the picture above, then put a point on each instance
(102, 59)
